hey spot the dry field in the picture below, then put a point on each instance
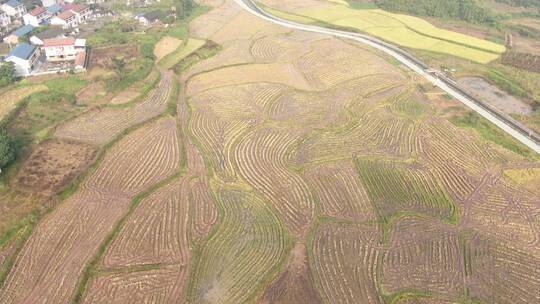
(165, 46)
(54, 163)
(49, 265)
(299, 169)
(101, 125)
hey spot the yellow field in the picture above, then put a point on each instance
(173, 58)
(165, 46)
(9, 99)
(408, 31)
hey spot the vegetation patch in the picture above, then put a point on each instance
(173, 58)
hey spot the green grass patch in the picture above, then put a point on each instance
(208, 50)
(396, 190)
(491, 133)
(183, 51)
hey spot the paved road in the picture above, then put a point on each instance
(506, 124)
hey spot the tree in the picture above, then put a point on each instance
(184, 8)
(7, 153)
(7, 74)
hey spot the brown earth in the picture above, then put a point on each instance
(102, 56)
(294, 285)
(53, 164)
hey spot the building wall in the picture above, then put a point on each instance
(60, 53)
(32, 20)
(23, 67)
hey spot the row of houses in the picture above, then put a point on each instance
(26, 57)
(58, 12)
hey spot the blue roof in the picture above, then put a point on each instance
(13, 3)
(22, 50)
(23, 30)
(55, 8)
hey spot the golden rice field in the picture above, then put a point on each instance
(299, 168)
(403, 30)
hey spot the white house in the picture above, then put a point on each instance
(47, 3)
(82, 12)
(13, 8)
(36, 16)
(5, 20)
(24, 57)
(149, 18)
(63, 49)
(66, 19)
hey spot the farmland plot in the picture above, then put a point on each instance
(423, 255)
(147, 286)
(397, 188)
(48, 267)
(249, 242)
(101, 126)
(344, 259)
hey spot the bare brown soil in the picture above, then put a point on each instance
(102, 56)
(294, 285)
(54, 163)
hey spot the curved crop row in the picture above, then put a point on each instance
(139, 162)
(205, 210)
(344, 263)
(156, 232)
(423, 255)
(393, 189)
(51, 262)
(260, 158)
(102, 125)
(248, 244)
(339, 191)
(161, 285)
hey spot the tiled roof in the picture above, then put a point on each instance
(58, 42)
(75, 7)
(23, 30)
(37, 11)
(22, 50)
(66, 15)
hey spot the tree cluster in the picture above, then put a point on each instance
(7, 74)
(184, 8)
(466, 10)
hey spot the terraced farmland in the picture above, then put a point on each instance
(298, 168)
(102, 125)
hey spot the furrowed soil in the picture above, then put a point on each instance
(298, 168)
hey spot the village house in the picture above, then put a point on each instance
(24, 57)
(63, 49)
(13, 8)
(14, 37)
(66, 19)
(5, 20)
(37, 16)
(50, 33)
(82, 12)
(48, 3)
(149, 18)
